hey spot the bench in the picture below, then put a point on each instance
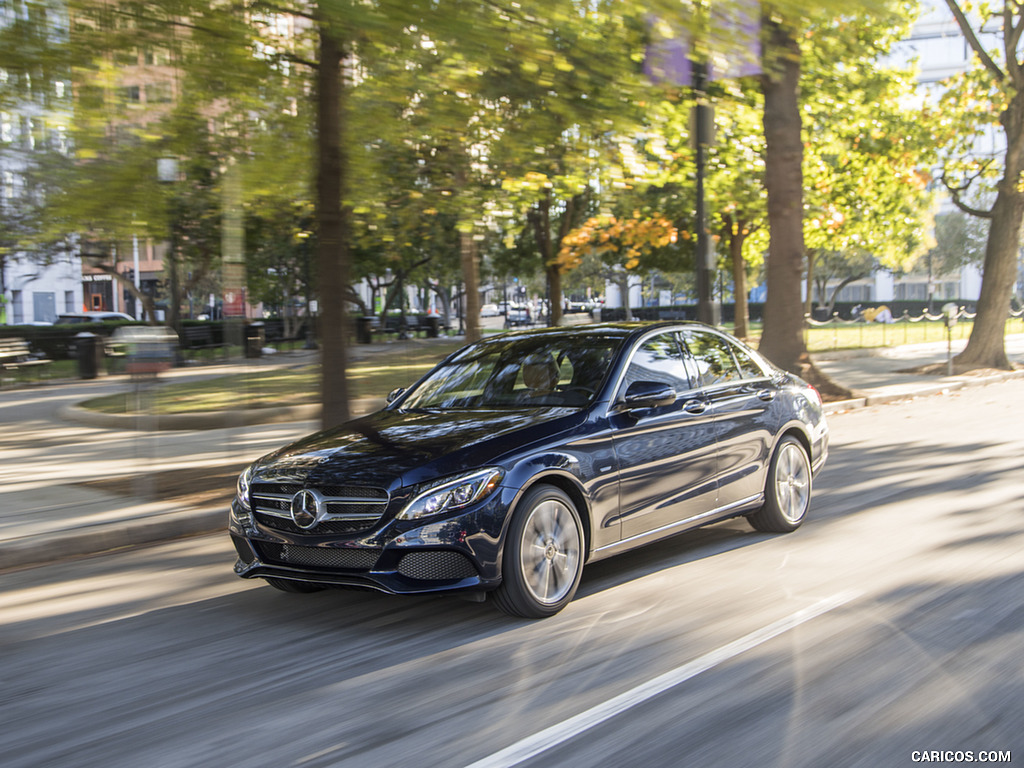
(199, 337)
(17, 355)
(429, 325)
(275, 335)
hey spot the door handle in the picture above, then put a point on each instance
(695, 406)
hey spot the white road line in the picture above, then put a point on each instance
(561, 732)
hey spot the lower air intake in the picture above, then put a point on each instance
(436, 566)
(320, 557)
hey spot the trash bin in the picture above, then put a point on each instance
(433, 326)
(89, 349)
(255, 339)
(364, 329)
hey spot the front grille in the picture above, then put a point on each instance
(355, 492)
(290, 489)
(319, 557)
(344, 510)
(340, 527)
(436, 566)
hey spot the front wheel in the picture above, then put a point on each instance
(543, 557)
(787, 492)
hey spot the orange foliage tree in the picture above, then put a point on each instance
(623, 246)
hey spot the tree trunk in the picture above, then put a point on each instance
(549, 246)
(540, 217)
(332, 223)
(174, 280)
(741, 321)
(986, 348)
(445, 299)
(622, 280)
(554, 279)
(782, 340)
(809, 306)
(830, 307)
(471, 276)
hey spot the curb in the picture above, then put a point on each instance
(844, 405)
(952, 385)
(106, 537)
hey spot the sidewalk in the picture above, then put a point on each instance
(883, 375)
(50, 511)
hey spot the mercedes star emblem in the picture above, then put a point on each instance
(305, 509)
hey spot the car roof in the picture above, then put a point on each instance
(619, 328)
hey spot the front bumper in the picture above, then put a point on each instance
(457, 553)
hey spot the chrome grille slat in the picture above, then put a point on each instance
(282, 513)
(344, 509)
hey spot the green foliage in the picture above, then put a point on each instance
(865, 175)
(512, 122)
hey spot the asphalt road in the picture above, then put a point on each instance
(889, 625)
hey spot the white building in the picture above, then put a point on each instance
(31, 290)
(37, 293)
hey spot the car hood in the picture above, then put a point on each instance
(395, 448)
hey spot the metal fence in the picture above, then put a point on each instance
(876, 329)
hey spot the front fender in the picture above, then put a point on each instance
(560, 470)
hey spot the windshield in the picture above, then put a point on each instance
(561, 371)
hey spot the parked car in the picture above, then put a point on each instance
(93, 316)
(518, 315)
(146, 350)
(490, 310)
(522, 457)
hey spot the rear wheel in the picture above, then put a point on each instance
(295, 587)
(787, 493)
(543, 557)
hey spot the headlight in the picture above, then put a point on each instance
(243, 489)
(453, 494)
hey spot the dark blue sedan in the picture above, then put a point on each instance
(522, 457)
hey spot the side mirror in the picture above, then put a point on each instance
(394, 394)
(647, 394)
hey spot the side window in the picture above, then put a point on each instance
(714, 359)
(748, 368)
(659, 359)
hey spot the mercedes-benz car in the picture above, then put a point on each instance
(522, 457)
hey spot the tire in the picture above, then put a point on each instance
(543, 557)
(787, 492)
(294, 587)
